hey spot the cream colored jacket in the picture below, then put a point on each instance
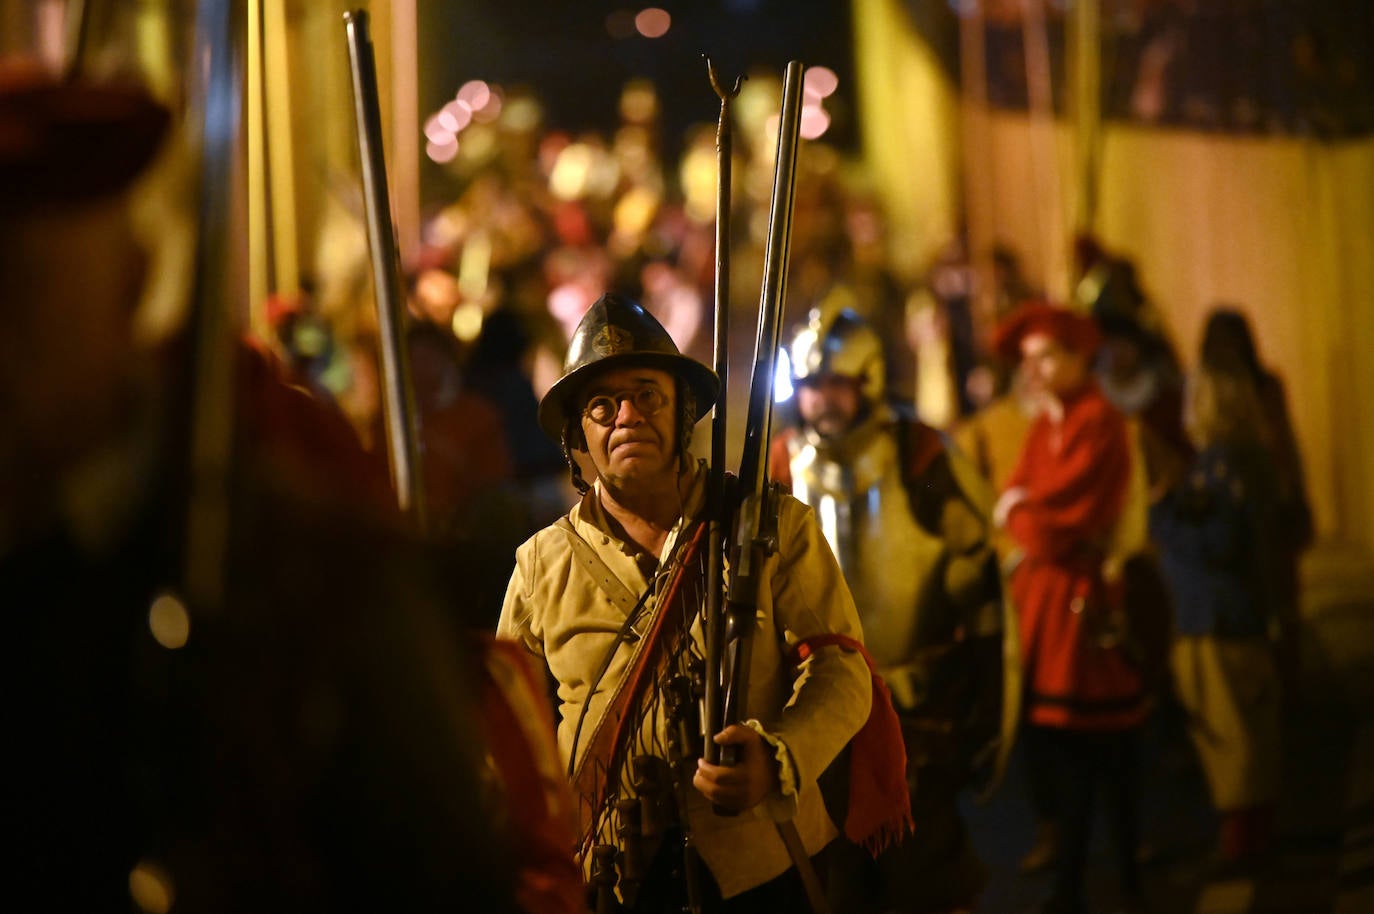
(559, 613)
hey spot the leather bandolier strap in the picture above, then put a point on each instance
(604, 768)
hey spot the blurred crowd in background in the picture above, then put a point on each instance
(543, 221)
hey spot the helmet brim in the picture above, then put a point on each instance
(558, 404)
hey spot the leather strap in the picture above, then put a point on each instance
(610, 585)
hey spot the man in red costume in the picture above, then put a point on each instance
(1084, 701)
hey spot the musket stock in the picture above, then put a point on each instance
(398, 399)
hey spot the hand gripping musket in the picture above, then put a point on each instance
(398, 400)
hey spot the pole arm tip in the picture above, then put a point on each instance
(720, 91)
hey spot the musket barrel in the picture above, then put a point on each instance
(758, 424)
(754, 523)
(724, 163)
(715, 555)
(398, 400)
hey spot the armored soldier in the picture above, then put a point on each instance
(907, 518)
(610, 598)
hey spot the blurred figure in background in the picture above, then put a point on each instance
(1084, 699)
(1138, 371)
(992, 435)
(990, 379)
(496, 369)
(1139, 374)
(304, 342)
(907, 519)
(1228, 344)
(1217, 531)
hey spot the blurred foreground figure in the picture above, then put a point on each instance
(905, 518)
(1084, 696)
(308, 738)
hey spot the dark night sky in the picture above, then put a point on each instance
(562, 48)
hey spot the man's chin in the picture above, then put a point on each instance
(830, 428)
(638, 465)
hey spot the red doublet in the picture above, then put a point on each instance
(1074, 474)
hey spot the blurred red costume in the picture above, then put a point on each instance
(1075, 474)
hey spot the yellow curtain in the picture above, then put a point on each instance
(907, 113)
(1282, 227)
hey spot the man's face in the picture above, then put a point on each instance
(639, 445)
(1049, 367)
(829, 403)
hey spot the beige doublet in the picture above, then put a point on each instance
(556, 609)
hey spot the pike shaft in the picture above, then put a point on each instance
(398, 400)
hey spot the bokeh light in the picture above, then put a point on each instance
(150, 887)
(467, 321)
(479, 143)
(169, 622)
(475, 93)
(634, 212)
(522, 114)
(436, 293)
(820, 82)
(455, 115)
(814, 122)
(436, 131)
(442, 152)
(639, 101)
(475, 101)
(653, 22)
(571, 172)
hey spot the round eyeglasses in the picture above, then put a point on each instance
(647, 401)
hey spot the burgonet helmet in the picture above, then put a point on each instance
(617, 333)
(839, 343)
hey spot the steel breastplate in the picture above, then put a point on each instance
(855, 486)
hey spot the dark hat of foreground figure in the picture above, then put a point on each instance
(71, 140)
(618, 333)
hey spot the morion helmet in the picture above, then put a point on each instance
(840, 343)
(618, 333)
